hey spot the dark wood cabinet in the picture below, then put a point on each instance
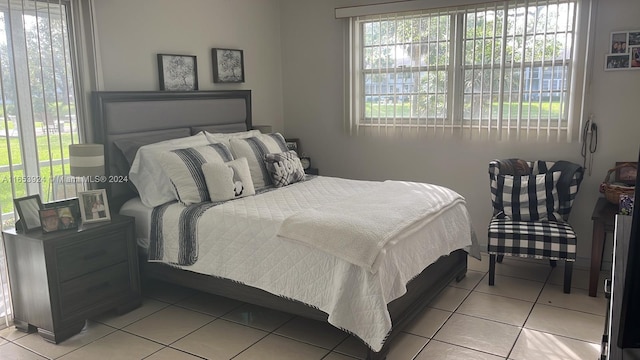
(60, 279)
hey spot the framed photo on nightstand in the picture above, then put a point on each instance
(94, 206)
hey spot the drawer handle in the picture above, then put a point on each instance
(100, 286)
(95, 254)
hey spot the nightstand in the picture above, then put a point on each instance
(60, 279)
(311, 171)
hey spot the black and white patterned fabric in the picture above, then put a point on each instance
(184, 169)
(527, 197)
(550, 238)
(285, 168)
(534, 239)
(254, 149)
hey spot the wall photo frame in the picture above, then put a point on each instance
(178, 72)
(228, 65)
(94, 206)
(624, 47)
(28, 209)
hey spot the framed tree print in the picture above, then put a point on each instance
(178, 72)
(228, 65)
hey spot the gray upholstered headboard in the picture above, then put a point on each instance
(163, 114)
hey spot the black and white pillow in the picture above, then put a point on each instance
(529, 197)
(184, 169)
(285, 168)
(254, 149)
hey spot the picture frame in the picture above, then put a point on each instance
(28, 209)
(59, 218)
(293, 144)
(624, 51)
(228, 65)
(94, 206)
(626, 172)
(73, 203)
(178, 72)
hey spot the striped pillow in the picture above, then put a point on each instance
(285, 168)
(528, 197)
(184, 169)
(254, 149)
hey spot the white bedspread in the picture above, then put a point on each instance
(238, 240)
(357, 228)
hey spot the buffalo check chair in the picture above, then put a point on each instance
(531, 206)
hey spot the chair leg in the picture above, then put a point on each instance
(499, 258)
(568, 270)
(553, 263)
(492, 269)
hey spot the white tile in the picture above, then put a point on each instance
(312, 332)
(171, 354)
(471, 279)
(148, 307)
(478, 334)
(515, 288)
(579, 278)
(578, 300)
(209, 304)
(406, 346)
(11, 351)
(439, 350)
(337, 356)
(573, 324)
(3, 341)
(478, 265)
(516, 267)
(91, 332)
(353, 347)
(168, 324)
(163, 291)
(117, 345)
(258, 317)
(535, 345)
(497, 308)
(449, 298)
(219, 339)
(275, 347)
(11, 333)
(428, 322)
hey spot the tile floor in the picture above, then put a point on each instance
(524, 316)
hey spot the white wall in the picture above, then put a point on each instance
(132, 32)
(313, 93)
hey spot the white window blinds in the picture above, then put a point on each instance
(503, 70)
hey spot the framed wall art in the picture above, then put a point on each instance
(178, 72)
(624, 51)
(228, 65)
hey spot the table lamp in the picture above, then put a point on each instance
(87, 160)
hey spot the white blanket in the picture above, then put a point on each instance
(238, 240)
(357, 228)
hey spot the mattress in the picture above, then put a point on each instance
(238, 240)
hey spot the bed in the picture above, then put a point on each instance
(398, 282)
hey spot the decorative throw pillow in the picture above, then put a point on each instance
(254, 149)
(285, 168)
(529, 197)
(184, 169)
(153, 185)
(230, 180)
(225, 137)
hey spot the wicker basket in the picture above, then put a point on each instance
(613, 192)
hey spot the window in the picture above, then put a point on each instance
(501, 70)
(37, 108)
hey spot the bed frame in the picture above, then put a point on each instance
(139, 113)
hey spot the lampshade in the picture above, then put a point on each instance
(265, 129)
(86, 159)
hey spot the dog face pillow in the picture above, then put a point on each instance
(229, 180)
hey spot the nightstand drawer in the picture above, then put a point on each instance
(90, 255)
(88, 290)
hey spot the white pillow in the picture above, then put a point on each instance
(230, 180)
(254, 149)
(225, 137)
(184, 169)
(146, 173)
